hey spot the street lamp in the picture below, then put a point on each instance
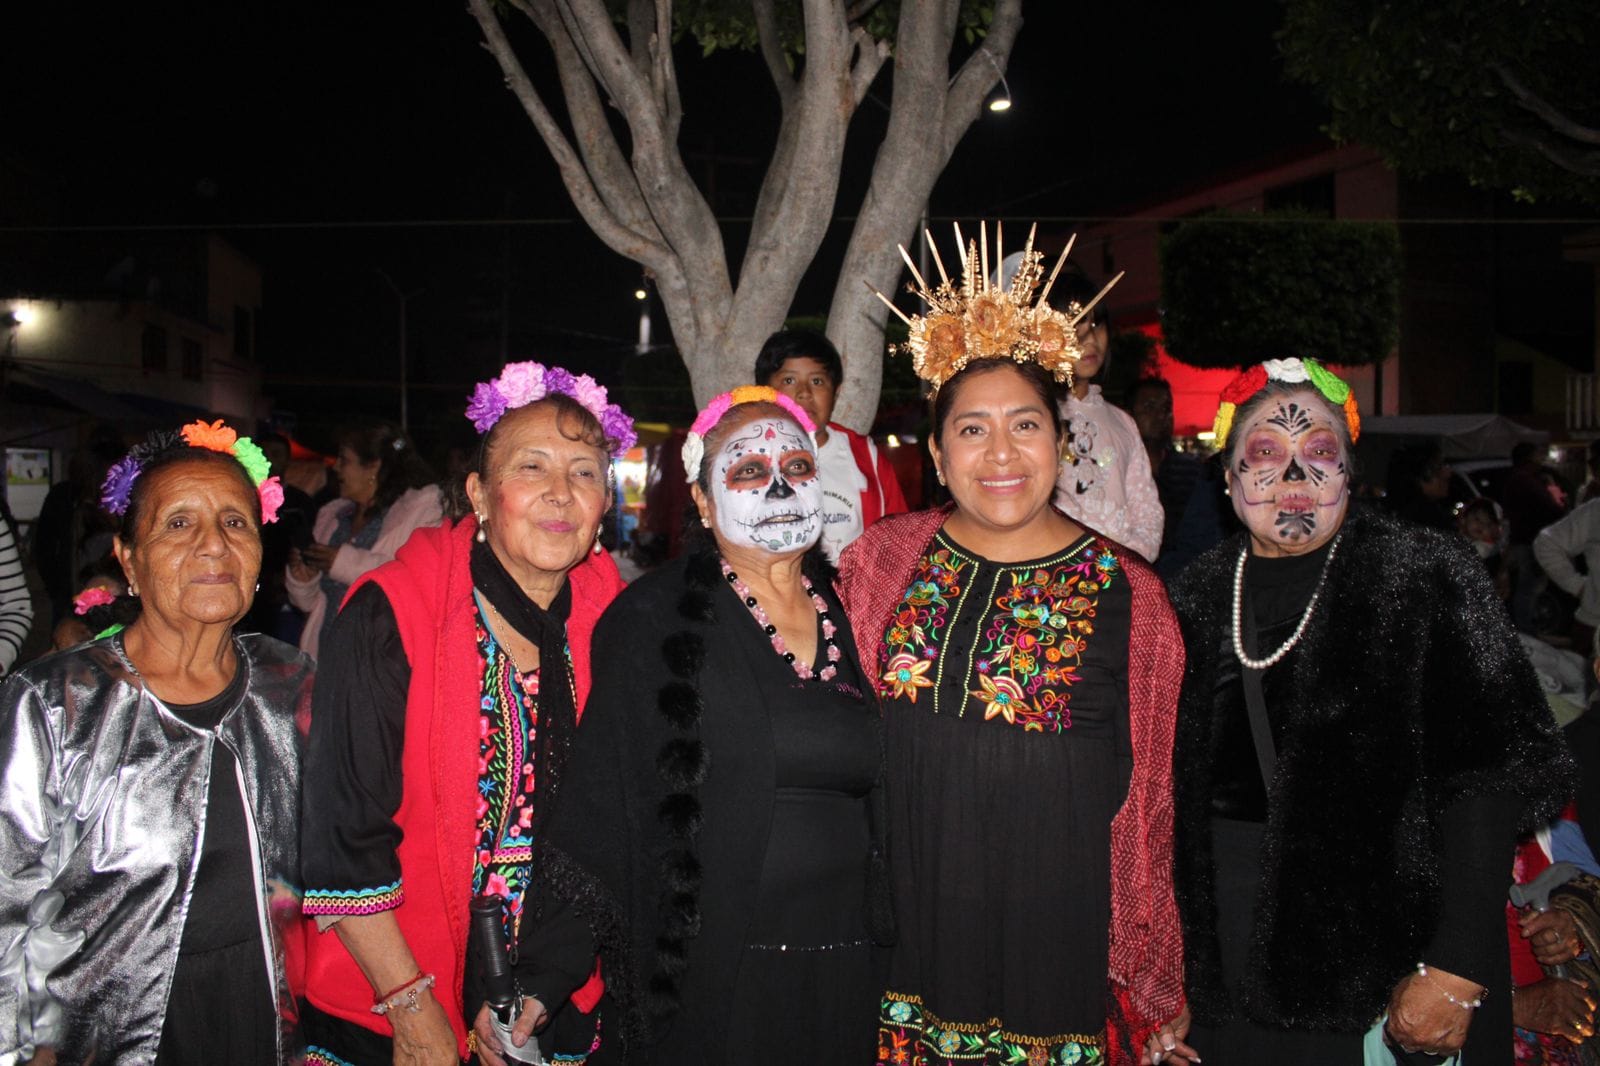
(1000, 97)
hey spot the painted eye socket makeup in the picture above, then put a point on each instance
(768, 495)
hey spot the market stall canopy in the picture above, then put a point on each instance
(1473, 436)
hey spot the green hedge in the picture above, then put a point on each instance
(1240, 288)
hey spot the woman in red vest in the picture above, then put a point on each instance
(452, 682)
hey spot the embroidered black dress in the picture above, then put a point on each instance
(1008, 756)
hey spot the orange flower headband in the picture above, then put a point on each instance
(983, 321)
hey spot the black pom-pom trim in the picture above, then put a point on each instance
(695, 605)
(682, 763)
(685, 653)
(681, 871)
(703, 570)
(671, 957)
(681, 915)
(681, 703)
(680, 814)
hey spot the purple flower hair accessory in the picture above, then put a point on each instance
(118, 485)
(520, 384)
(486, 406)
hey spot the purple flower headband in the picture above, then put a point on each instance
(116, 492)
(694, 445)
(520, 384)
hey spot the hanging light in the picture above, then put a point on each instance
(1000, 99)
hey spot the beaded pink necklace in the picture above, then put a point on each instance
(828, 628)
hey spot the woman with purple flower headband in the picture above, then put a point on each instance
(453, 678)
(717, 834)
(149, 831)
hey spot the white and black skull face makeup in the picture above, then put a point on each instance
(1290, 478)
(764, 484)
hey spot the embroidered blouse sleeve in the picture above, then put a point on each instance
(352, 776)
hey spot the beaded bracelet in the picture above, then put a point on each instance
(406, 996)
(1464, 1004)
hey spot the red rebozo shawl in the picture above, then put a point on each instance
(429, 586)
(1146, 964)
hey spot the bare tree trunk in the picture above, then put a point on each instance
(926, 123)
(644, 205)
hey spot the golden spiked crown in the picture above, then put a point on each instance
(979, 320)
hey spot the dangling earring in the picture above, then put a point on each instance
(481, 537)
(597, 549)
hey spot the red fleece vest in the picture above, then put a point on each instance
(429, 586)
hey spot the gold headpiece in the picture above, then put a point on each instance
(983, 321)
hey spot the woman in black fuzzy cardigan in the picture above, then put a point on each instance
(1360, 740)
(716, 834)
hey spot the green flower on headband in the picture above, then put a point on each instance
(1334, 389)
(252, 459)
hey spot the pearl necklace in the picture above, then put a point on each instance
(1299, 630)
(801, 668)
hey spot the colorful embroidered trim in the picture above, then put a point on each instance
(320, 1056)
(694, 445)
(520, 384)
(353, 901)
(117, 489)
(909, 1033)
(1292, 371)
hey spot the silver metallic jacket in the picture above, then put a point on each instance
(102, 813)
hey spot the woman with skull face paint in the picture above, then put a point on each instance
(718, 831)
(1360, 737)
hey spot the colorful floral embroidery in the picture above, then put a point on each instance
(508, 724)
(353, 901)
(911, 1035)
(1035, 626)
(319, 1056)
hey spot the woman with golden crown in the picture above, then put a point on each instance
(1029, 671)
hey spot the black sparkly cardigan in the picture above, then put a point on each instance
(657, 840)
(1409, 692)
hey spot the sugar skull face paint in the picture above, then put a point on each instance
(764, 484)
(1289, 475)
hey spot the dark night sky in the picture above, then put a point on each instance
(247, 117)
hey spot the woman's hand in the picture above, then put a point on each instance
(319, 557)
(298, 567)
(530, 1021)
(1422, 1019)
(1166, 1043)
(1552, 934)
(423, 1038)
(1555, 1006)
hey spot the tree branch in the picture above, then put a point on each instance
(1585, 164)
(772, 50)
(858, 10)
(602, 156)
(577, 179)
(869, 58)
(1547, 111)
(641, 27)
(980, 73)
(664, 73)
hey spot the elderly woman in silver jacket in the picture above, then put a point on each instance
(149, 806)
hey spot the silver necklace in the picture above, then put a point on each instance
(1299, 630)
